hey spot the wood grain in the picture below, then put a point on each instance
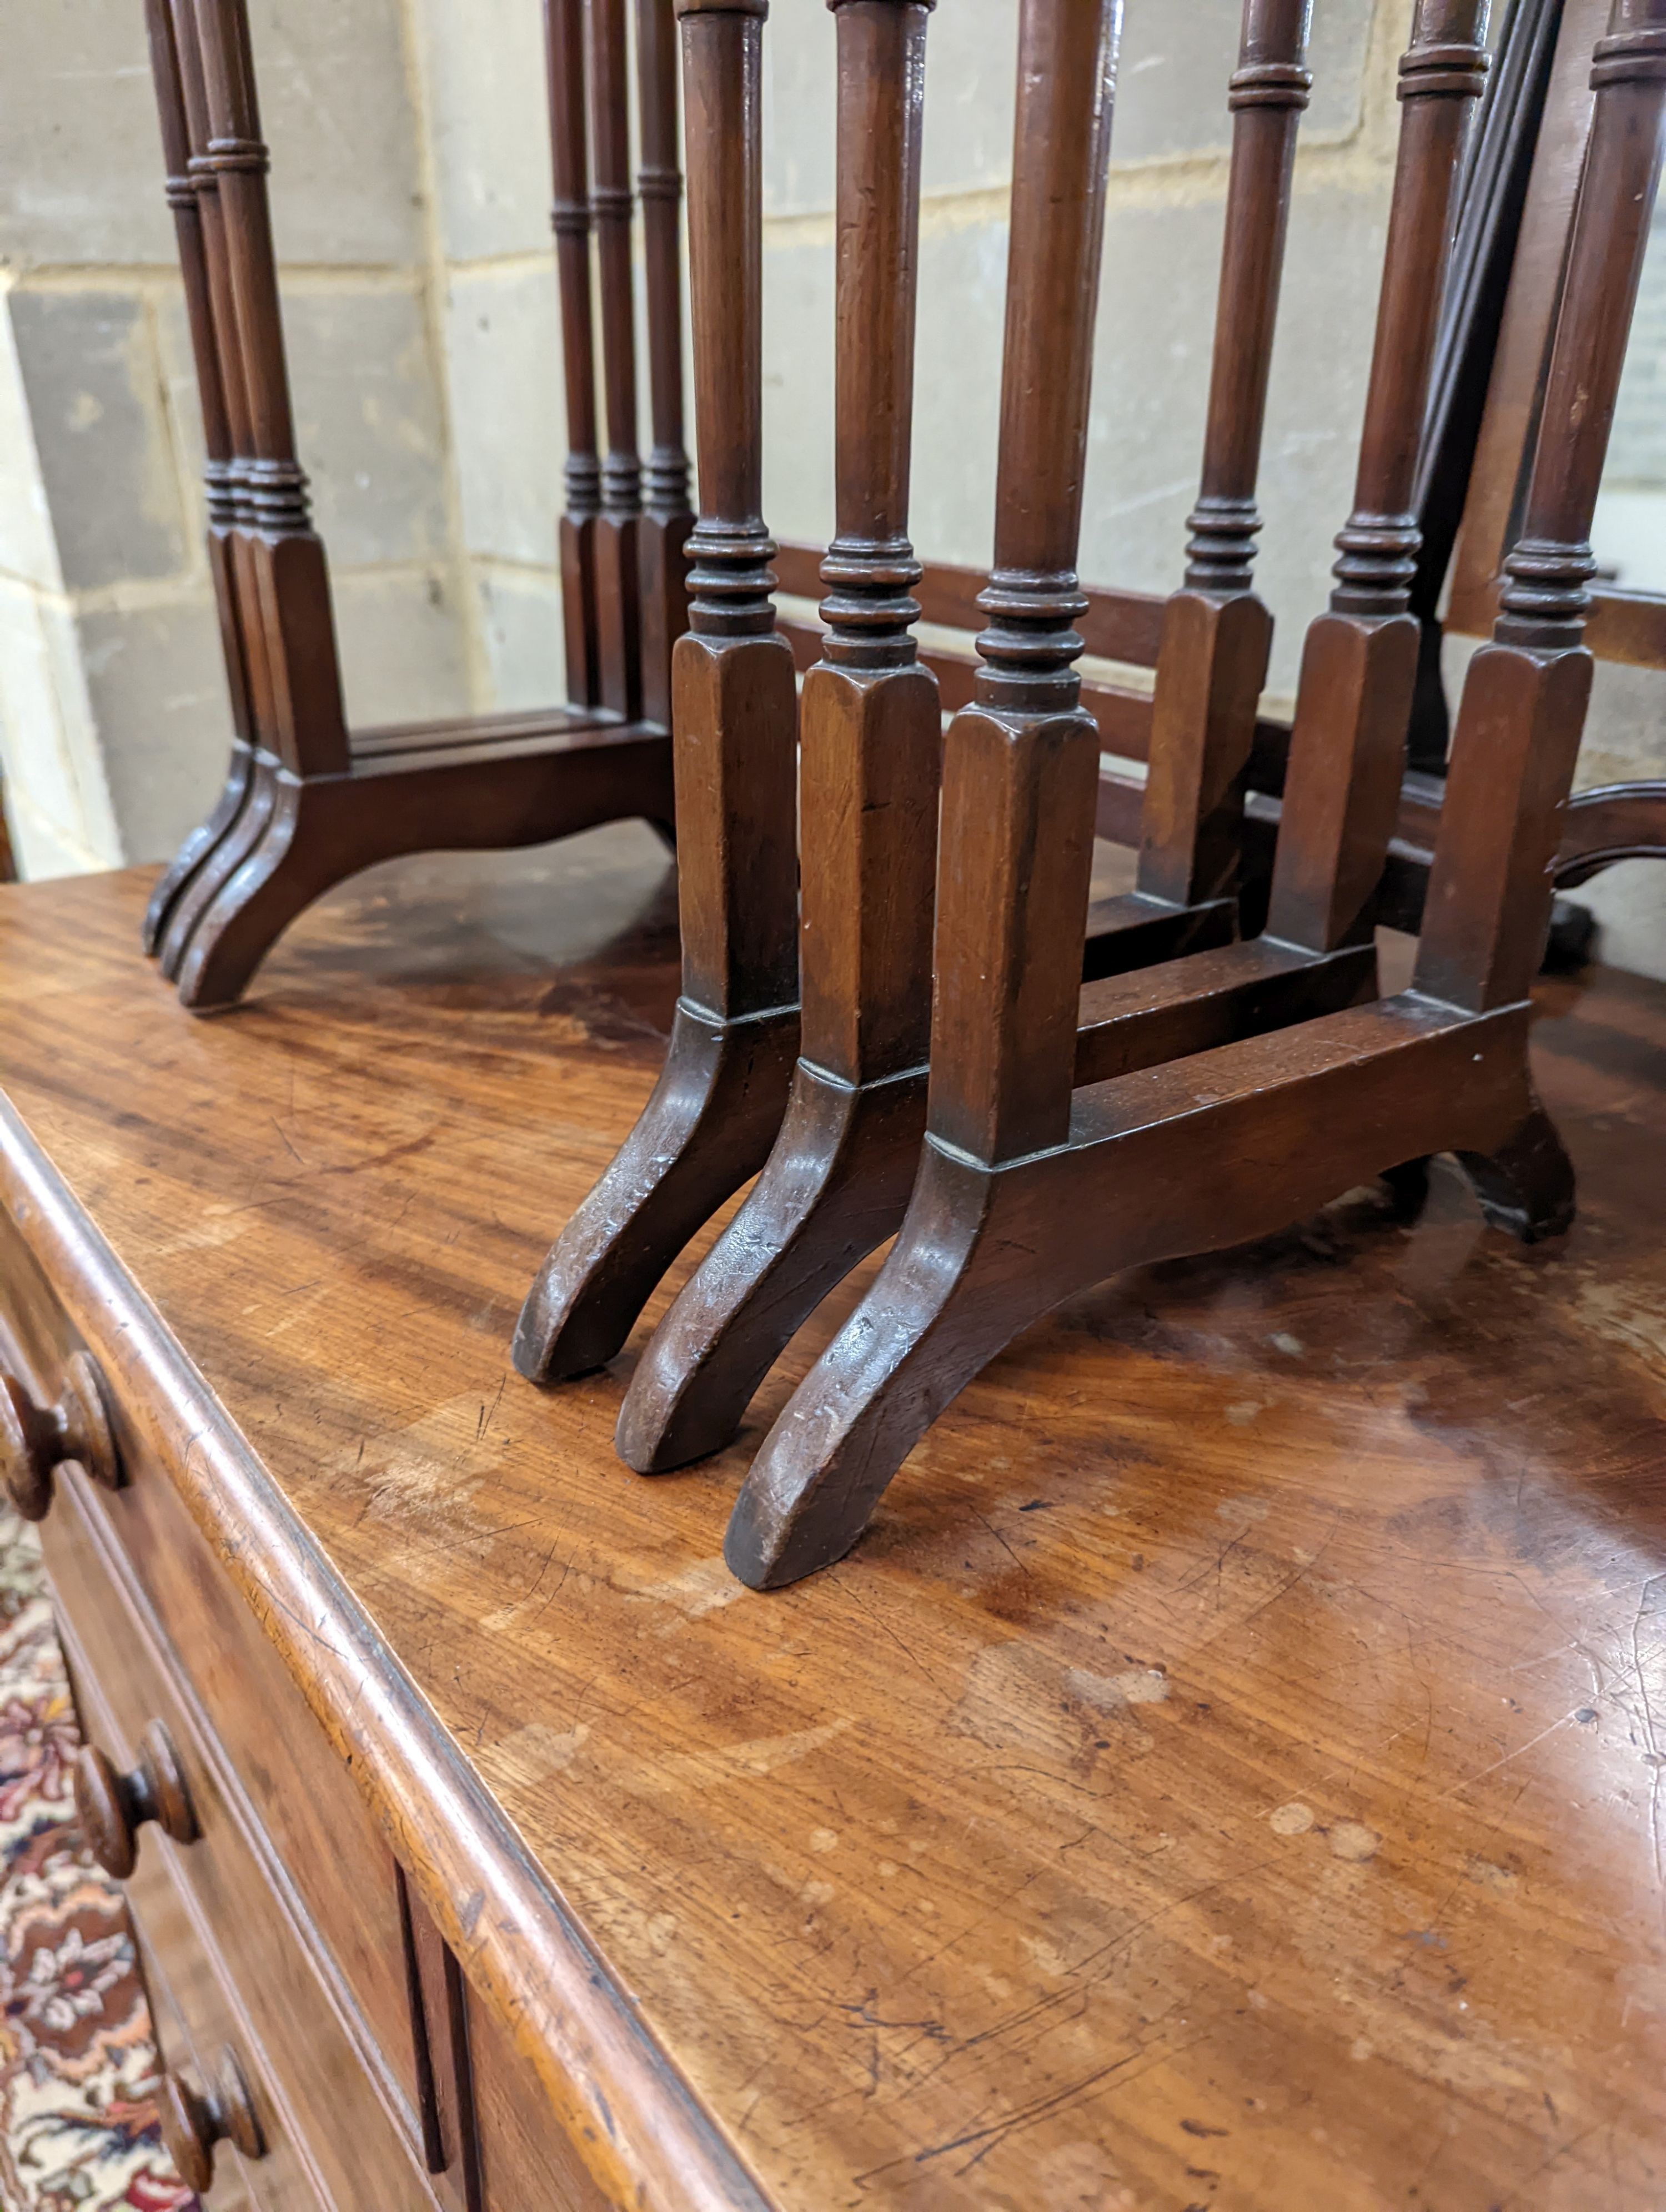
(1229, 1754)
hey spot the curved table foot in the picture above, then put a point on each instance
(1156, 1166)
(957, 1288)
(297, 837)
(1526, 1187)
(713, 1116)
(835, 1186)
(240, 843)
(201, 842)
(273, 884)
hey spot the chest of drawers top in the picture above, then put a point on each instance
(1175, 1794)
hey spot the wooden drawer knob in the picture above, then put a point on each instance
(33, 1438)
(194, 2120)
(114, 1807)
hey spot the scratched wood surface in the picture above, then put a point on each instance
(1229, 1772)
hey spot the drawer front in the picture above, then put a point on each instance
(331, 2097)
(194, 2024)
(150, 1603)
(528, 2164)
(306, 1800)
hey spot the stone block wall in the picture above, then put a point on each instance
(1163, 234)
(112, 714)
(411, 192)
(1629, 534)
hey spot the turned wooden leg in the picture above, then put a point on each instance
(668, 520)
(722, 1094)
(713, 1114)
(193, 195)
(618, 527)
(870, 751)
(1526, 1187)
(837, 1181)
(194, 854)
(564, 21)
(719, 1102)
(1014, 862)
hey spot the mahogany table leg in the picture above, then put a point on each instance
(1348, 748)
(1526, 695)
(304, 728)
(667, 518)
(1511, 769)
(218, 868)
(198, 849)
(570, 217)
(1021, 764)
(1217, 634)
(192, 193)
(711, 1120)
(1525, 1185)
(871, 744)
(275, 879)
(282, 562)
(717, 1108)
(1227, 1144)
(618, 526)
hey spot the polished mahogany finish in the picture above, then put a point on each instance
(1347, 749)
(35, 1440)
(871, 743)
(666, 519)
(1022, 760)
(278, 1929)
(307, 802)
(564, 56)
(1465, 452)
(1027, 1193)
(1216, 637)
(113, 1807)
(619, 524)
(195, 205)
(838, 1178)
(1526, 693)
(185, 889)
(718, 1105)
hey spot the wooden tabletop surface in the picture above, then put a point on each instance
(1229, 1774)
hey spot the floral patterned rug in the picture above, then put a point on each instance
(77, 2133)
